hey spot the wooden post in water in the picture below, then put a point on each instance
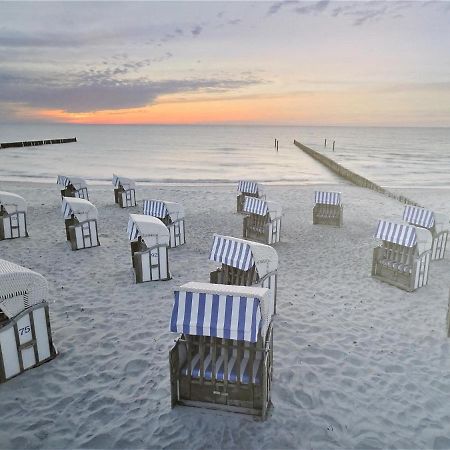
(277, 145)
(325, 143)
(333, 145)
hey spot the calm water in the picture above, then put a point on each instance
(215, 154)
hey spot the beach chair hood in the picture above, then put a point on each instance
(20, 288)
(260, 207)
(76, 182)
(243, 254)
(126, 183)
(249, 187)
(160, 209)
(146, 226)
(327, 198)
(82, 209)
(12, 202)
(223, 311)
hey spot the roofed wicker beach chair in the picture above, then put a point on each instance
(224, 356)
(124, 191)
(249, 189)
(149, 248)
(73, 187)
(172, 215)
(263, 222)
(13, 216)
(25, 333)
(328, 209)
(403, 256)
(81, 223)
(244, 263)
(437, 224)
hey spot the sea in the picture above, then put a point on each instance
(213, 154)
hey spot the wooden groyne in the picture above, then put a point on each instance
(34, 143)
(353, 177)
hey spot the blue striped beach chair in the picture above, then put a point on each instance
(13, 216)
(149, 248)
(328, 209)
(437, 224)
(73, 187)
(25, 332)
(247, 189)
(224, 356)
(124, 191)
(263, 220)
(80, 217)
(244, 263)
(172, 215)
(403, 256)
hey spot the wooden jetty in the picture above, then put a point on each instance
(34, 143)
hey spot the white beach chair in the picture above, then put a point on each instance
(124, 191)
(328, 209)
(437, 224)
(244, 263)
(224, 356)
(25, 333)
(13, 216)
(149, 248)
(249, 189)
(73, 187)
(403, 256)
(263, 220)
(172, 215)
(81, 223)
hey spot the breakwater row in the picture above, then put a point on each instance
(353, 177)
(39, 142)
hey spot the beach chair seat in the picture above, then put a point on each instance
(244, 263)
(81, 223)
(149, 248)
(13, 216)
(263, 220)
(25, 332)
(73, 187)
(172, 215)
(328, 209)
(124, 191)
(222, 360)
(436, 223)
(403, 257)
(247, 189)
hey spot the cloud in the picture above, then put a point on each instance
(196, 30)
(275, 7)
(314, 8)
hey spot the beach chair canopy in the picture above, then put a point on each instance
(327, 198)
(404, 234)
(82, 209)
(230, 312)
(160, 209)
(20, 288)
(425, 218)
(12, 202)
(76, 182)
(145, 227)
(126, 183)
(243, 254)
(260, 207)
(248, 187)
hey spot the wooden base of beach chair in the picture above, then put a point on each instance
(25, 341)
(152, 264)
(72, 192)
(126, 198)
(332, 215)
(13, 225)
(204, 373)
(177, 233)
(439, 245)
(261, 229)
(82, 234)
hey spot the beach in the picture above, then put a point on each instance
(357, 363)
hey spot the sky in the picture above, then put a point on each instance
(288, 63)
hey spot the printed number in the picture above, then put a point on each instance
(24, 330)
(154, 255)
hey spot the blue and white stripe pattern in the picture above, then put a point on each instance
(155, 208)
(132, 230)
(248, 187)
(222, 316)
(116, 181)
(418, 216)
(255, 205)
(63, 181)
(66, 209)
(232, 253)
(327, 198)
(396, 233)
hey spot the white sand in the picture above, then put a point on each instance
(358, 363)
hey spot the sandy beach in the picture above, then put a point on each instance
(357, 363)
